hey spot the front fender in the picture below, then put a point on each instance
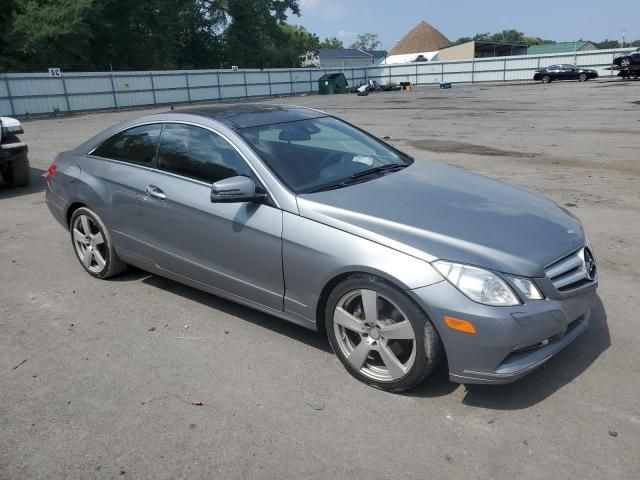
(314, 254)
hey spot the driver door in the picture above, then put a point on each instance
(570, 72)
(232, 247)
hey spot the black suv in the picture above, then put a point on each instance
(14, 163)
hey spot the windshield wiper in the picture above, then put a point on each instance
(376, 170)
(359, 177)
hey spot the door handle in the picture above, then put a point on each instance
(153, 191)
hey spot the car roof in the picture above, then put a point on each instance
(246, 115)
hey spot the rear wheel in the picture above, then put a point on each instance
(17, 173)
(381, 337)
(546, 79)
(625, 62)
(583, 77)
(93, 245)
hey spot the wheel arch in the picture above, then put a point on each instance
(72, 208)
(334, 281)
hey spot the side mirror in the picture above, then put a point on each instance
(235, 190)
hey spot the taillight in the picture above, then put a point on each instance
(50, 173)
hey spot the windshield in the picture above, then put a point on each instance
(321, 153)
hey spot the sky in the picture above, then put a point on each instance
(560, 20)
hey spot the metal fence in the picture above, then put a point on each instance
(497, 69)
(38, 93)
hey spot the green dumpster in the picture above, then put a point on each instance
(332, 83)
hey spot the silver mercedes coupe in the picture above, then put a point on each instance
(400, 262)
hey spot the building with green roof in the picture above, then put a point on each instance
(565, 47)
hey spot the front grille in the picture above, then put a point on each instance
(573, 271)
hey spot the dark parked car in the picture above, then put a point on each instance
(564, 72)
(14, 162)
(628, 59)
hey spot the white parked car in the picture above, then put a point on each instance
(14, 162)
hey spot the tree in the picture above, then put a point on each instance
(86, 34)
(508, 36)
(254, 37)
(48, 32)
(606, 43)
(332, 43)
(160, 34)
(366, 41)
(297, 46)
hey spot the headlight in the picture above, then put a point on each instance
(14, 130)
(10, 126)
(479, 285)
(527, 288)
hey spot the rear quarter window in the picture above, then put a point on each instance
(137, 145)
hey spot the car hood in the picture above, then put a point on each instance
(433, 211)
(9, 122)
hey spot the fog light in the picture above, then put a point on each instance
(460, 325)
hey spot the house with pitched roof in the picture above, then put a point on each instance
(421, 43)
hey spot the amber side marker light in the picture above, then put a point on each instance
(460, 325)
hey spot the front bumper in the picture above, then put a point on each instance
(12, 151)
(510, 341)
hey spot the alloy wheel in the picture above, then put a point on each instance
(89, 244)
(625, 62)
(374, 335)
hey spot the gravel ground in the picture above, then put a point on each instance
(98, 379)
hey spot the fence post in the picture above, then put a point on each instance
(269, 80)
(219, 87)
(442, 72)
(153, 88)
(246, 90)
(416, 73)
(66, 96)
(504, 71)
(291, 81)
(186, 77)
(6, 82)
(115, 93)
(473, 70)
(311, 80)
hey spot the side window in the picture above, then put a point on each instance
(200, 154)
(137, 145)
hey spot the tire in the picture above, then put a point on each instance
(625, 62)
(94, 250)
(363, 345)
(583, 77)
(17, 173)
(546, 79)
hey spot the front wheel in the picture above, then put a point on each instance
(546, 79)
(93, 245)
(381, 337)
(625, 62)
(583, 77)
